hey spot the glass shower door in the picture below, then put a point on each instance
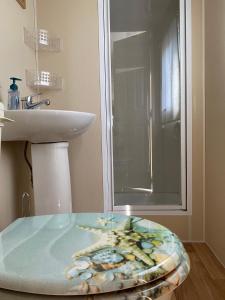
(147, 103)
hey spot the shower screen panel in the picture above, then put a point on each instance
(147, 45)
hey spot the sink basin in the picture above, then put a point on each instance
(45, 126)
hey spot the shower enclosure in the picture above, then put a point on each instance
(145, 104)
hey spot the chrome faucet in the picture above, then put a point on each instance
(27, 102)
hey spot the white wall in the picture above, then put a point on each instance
(215, 126)
(76, 22)
(15, 57)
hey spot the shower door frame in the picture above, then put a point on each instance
(186, 117)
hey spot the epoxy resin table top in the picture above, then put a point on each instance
(80, 254)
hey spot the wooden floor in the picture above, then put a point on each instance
(207, 277)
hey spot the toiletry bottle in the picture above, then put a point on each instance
(14, 95)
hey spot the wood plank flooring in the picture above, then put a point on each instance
(207, 277)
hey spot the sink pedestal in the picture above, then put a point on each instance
(51, 178)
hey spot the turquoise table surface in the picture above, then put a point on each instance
(80, 254)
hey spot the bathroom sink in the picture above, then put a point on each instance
(45, 126)
(50, 132)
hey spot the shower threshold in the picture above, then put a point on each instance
(147, 199)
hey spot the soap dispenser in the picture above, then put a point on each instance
(14, 95)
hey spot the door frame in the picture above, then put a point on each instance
(186, 116)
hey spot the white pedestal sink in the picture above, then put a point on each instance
(49, 131)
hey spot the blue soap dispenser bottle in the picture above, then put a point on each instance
(14, 95)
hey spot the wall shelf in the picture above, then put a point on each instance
(42, 40)
(43, 80)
